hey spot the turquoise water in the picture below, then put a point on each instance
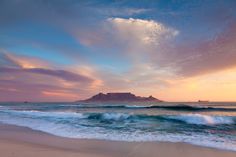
(208, 124)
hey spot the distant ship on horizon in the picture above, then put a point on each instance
(203, 101)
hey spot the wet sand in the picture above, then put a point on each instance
(23, 142)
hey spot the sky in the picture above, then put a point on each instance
(67, 50)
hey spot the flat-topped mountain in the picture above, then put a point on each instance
(120, 97)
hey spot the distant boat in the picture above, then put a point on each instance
(203, 101)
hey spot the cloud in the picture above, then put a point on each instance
(23, 61)
(129, 38)
(141, 31)
(32, 79)
(206, 56)
(62, 74)
(213, 55)
(24, 64)
(127, 32)
(17, 90)
(6, 61)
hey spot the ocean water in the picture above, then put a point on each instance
(207, 124)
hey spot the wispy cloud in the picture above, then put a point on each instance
(41, 81)
(204, 57)
(63, 74)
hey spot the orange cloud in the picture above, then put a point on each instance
(27, 62)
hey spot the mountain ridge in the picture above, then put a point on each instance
(120, 97)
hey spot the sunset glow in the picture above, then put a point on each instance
(172, 50)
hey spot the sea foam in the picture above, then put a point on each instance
(204, 119)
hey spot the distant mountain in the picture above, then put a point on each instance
(120, 97)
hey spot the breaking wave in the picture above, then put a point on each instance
(180, 107)
(129, 126)
(198, 119)
(204, 119)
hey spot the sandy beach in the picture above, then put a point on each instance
(23, 142)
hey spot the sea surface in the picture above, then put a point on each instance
(206, 124)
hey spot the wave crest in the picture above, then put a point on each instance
(204, 119)
(198, 119)
(180, 107)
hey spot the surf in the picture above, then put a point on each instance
(129, 126)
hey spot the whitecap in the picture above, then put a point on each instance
(203, 119)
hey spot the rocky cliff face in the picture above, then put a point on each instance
(128, 97)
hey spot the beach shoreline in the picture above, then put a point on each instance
(18, 141)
